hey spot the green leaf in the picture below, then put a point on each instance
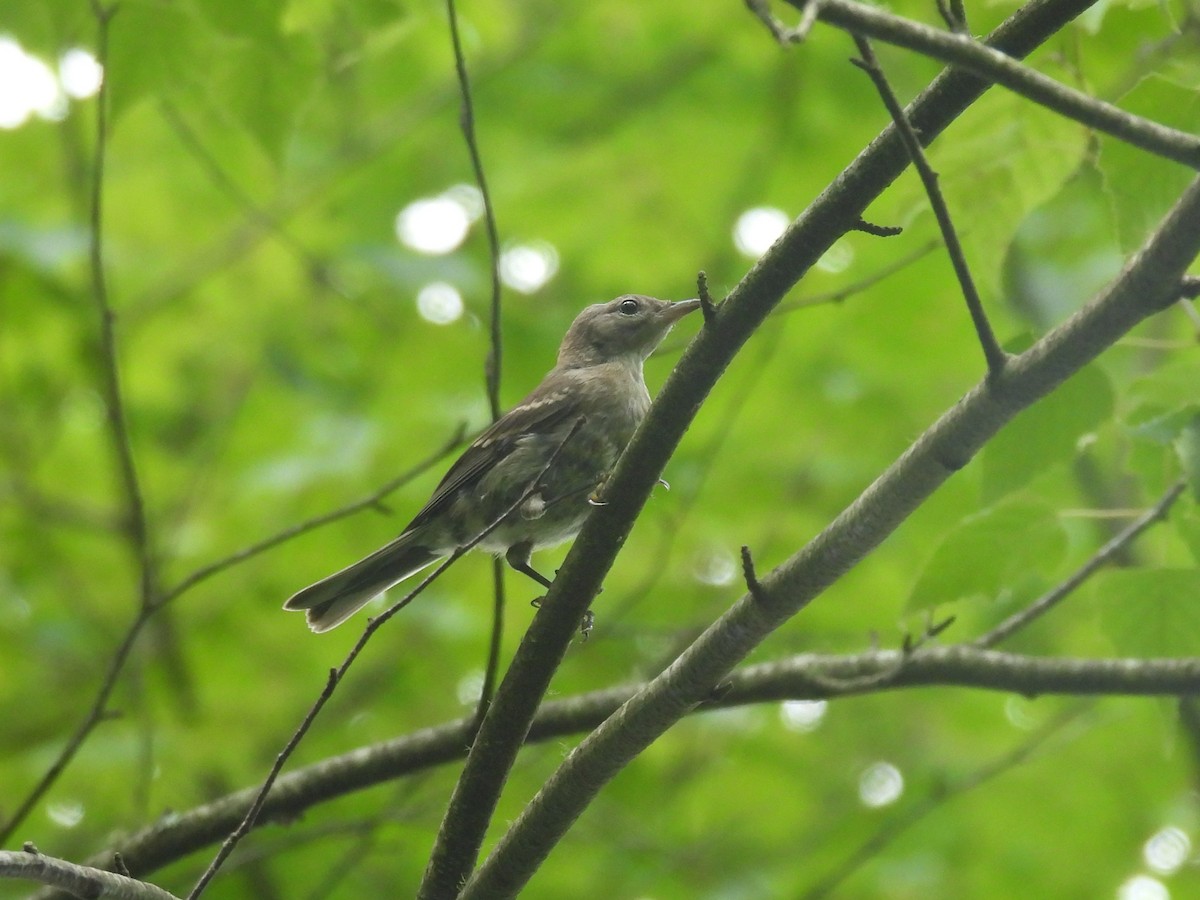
(1142, 186)
(154, 48)
(1063, 252)
(989, 553)
(1046, 434)
(1150, 611)
(264, 107)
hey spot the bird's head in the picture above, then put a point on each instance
(628, 328)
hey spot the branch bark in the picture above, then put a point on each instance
(78, 881)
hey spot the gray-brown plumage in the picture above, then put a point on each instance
(598, 378)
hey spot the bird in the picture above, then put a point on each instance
(585, 410)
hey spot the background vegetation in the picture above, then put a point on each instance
(275, 365)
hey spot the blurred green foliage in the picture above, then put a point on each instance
(276, 366)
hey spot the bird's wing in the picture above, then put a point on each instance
(538, 413)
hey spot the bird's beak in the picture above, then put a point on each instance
(677, 311)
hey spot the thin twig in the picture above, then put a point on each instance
(134, 515)
(114, 403)
(877, 230)
(992, 351)
(493, 365)
(808, 18)
(783, 35)
(466, 121)
(884, 676)
(954, 15)
(1052, 598)
(753, 585)
(958, 10)
(1189, 310)
(708, 308)
(336, 675)
(943, 8)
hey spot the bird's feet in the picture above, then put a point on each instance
(585, 626)
(596, 497)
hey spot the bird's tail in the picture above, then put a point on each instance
(332, 600)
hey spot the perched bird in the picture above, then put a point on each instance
(585, 409)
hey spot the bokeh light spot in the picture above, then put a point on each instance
(803, 715)
(1143, 887)
(469, 688)
(433, 225)
(80, 73)
(469, 197)
(527, 267)
(880, 784)
(715, 567)
(67, 814)
(1167, 850)
(440, 303)
(28, 87)
(757, 229)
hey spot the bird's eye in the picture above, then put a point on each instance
(629, 307)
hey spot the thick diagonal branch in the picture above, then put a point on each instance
(833, 213)
(1148, 284)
